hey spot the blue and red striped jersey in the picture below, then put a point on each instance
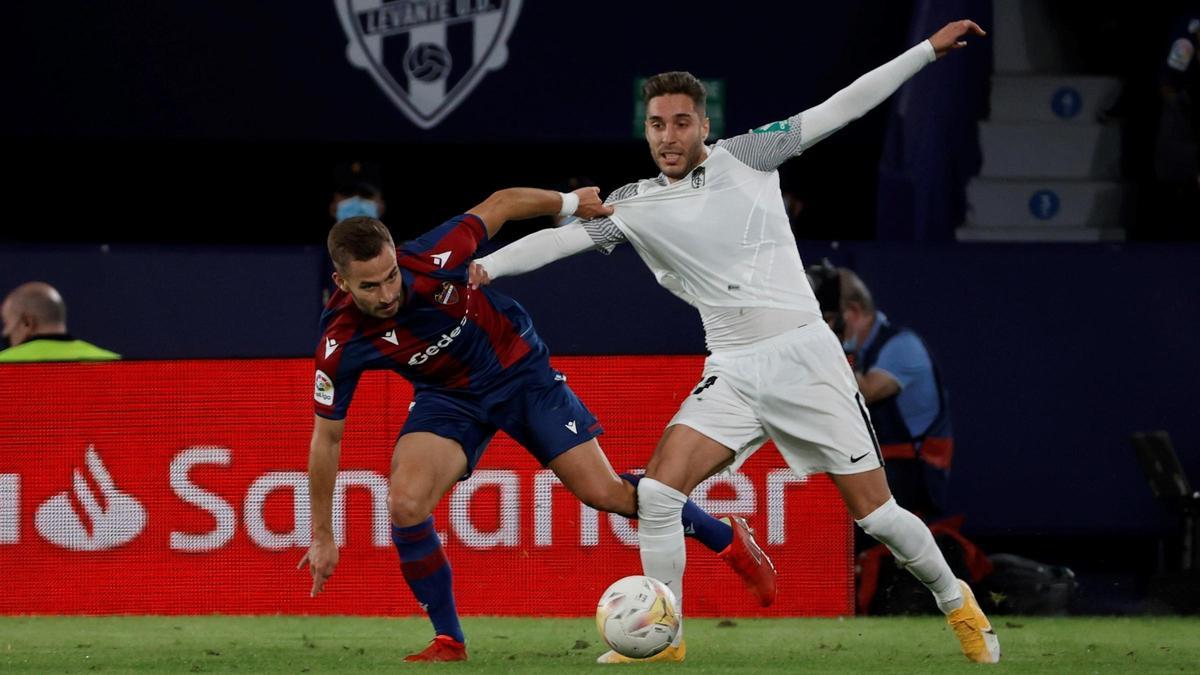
(445, 335)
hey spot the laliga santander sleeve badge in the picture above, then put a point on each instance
(780, 127)
(323, 391)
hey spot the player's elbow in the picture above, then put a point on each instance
(500, 201)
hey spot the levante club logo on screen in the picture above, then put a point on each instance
(428, 55)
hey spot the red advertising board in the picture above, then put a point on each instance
(179, 487)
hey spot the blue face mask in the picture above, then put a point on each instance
(357, 206)
(850, 345)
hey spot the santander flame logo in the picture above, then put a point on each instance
(91, 518)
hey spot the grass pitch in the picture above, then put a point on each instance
(343, 644)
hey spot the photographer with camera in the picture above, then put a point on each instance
(901, 386)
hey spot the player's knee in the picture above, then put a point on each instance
(881, 521)
(406, 510)
(659, 501)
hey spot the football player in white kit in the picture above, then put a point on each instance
(712, 228)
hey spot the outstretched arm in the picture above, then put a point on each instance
(531, 252)
(769, 146)
(545, 246)
(324, 450)
(521, 203)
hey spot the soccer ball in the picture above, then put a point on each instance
(637, 617)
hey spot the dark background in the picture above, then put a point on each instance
(170, 166)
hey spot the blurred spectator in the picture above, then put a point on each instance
(901, 387)
(1177, 150)
(357, 199)
(35, 324)
(356, 192)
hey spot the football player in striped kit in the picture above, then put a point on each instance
(712, 228)
(477, 366)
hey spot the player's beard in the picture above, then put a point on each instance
(376, 311)
(387, 311)
(692, 157)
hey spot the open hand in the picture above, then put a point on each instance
(950, 37)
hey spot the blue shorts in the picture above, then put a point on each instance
(533, 405)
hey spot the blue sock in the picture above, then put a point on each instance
(427, 572)
(713, 533)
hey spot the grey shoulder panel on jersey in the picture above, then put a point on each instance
(604, 232)
(768, 146)
(624, 192)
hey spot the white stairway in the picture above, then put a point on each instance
(1051, 171)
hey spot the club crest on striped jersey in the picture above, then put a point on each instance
(446, 295)
(427, 55)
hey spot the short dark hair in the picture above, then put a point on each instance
(358, 238)
(676, 82)
(359, 189)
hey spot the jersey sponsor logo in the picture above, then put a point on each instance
(408, 48)
(854, 460)
(446, 295)
(571, 427)
(331, 346)
(113, 518)
(441, 258)
(323, 389)
(698, 177)
(1181, 54)
(432, 350)
(782, 126)
(390, 336)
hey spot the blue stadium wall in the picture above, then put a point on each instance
(1054, 354)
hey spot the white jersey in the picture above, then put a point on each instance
(719, 238)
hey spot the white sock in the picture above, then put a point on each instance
(912, 544)
(660, 537)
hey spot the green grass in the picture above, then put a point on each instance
(341, 644)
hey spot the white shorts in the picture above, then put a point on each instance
(796, 389)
